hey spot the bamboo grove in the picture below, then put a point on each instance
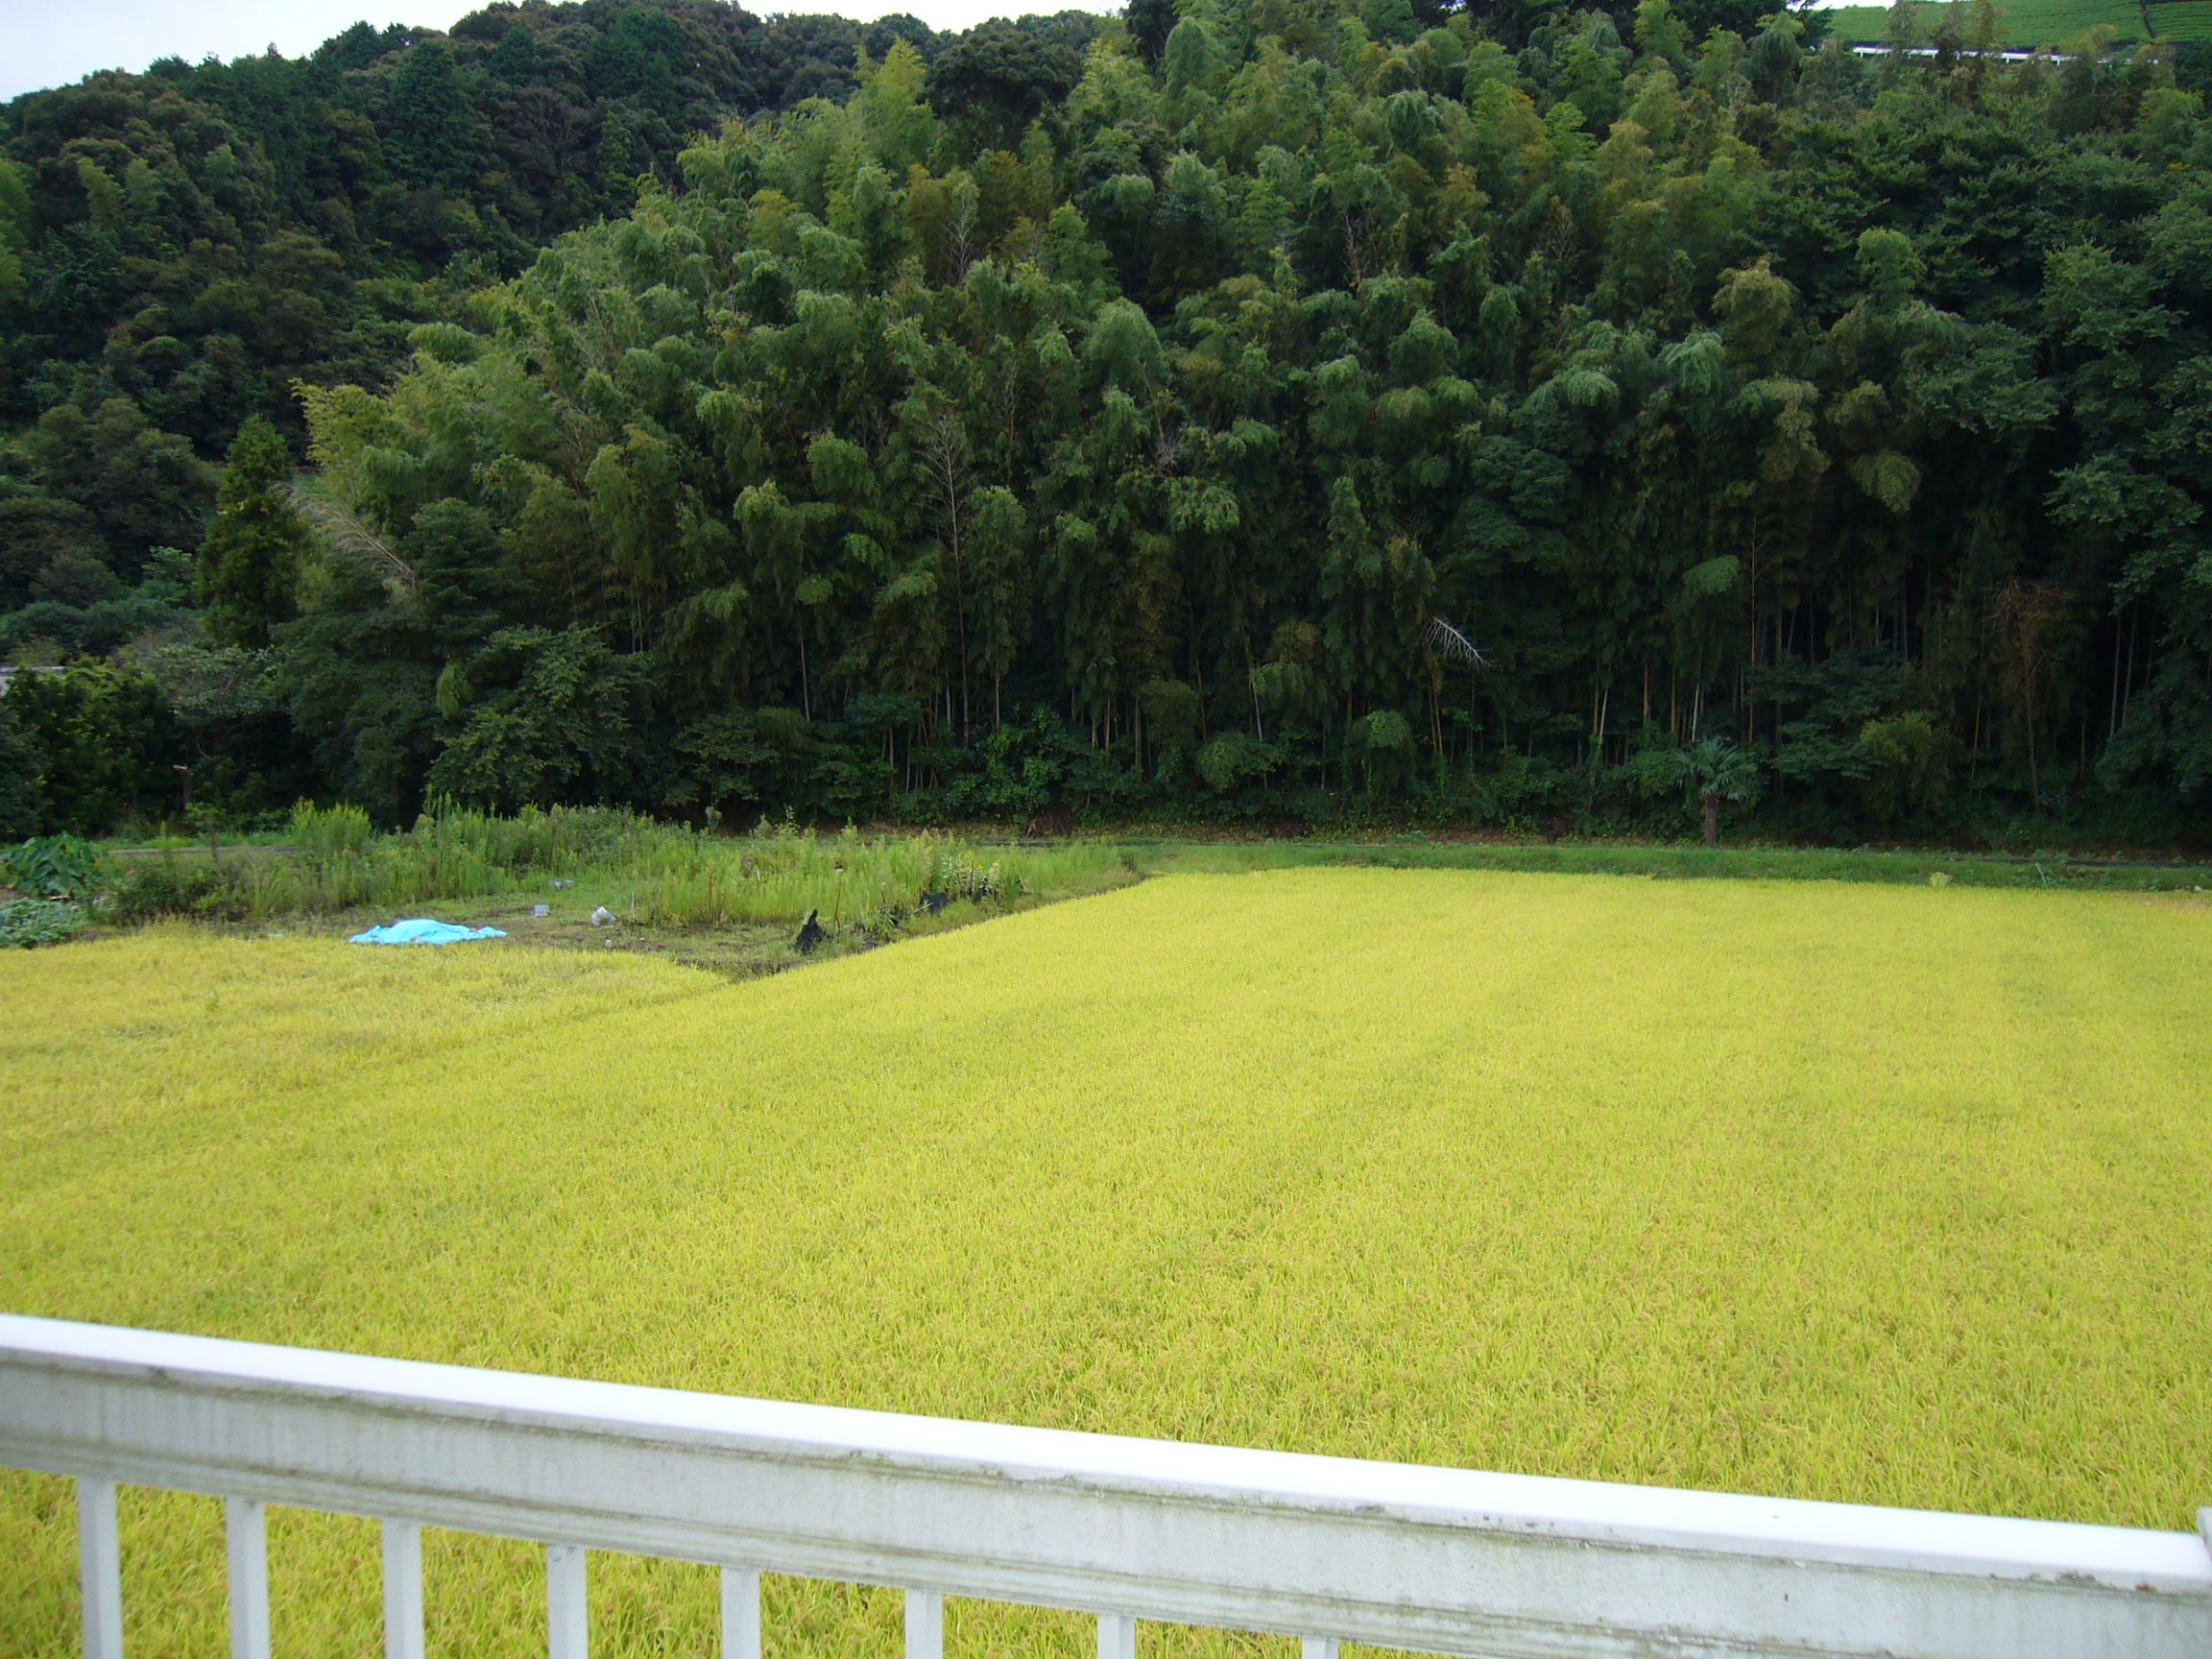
(1305, 411)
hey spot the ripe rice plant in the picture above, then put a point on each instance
(1888, 1194)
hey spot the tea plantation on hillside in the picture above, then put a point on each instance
(1882, 1193)
(2025, 24)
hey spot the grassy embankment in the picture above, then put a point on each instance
(1875, 1193)
(1661, 861)
(733, 902)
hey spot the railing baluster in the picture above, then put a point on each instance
(925, 1625)
(1117, 1637)
(565, 1607)
(246, 1532)
(403, 1590)
(100, 1569)
(1329, 1553)
(740, 1613)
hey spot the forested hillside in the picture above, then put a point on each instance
(1305, 410)
(178, 249)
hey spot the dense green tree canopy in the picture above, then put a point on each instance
(1307, 408)
(178, 249)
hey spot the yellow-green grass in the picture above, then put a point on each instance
(661, 874)
(1883, 1194)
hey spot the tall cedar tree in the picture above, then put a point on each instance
(250, 558)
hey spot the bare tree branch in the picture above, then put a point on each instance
(343, 531)
(1446, 640)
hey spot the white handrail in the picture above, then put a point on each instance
(1434, 1560)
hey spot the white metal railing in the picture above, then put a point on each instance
(1329, 1550)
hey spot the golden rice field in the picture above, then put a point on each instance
(1885, 1194)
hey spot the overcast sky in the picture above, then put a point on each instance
(51, 42)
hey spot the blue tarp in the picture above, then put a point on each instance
(421, 930)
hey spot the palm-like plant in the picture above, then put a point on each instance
(1715, 770)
